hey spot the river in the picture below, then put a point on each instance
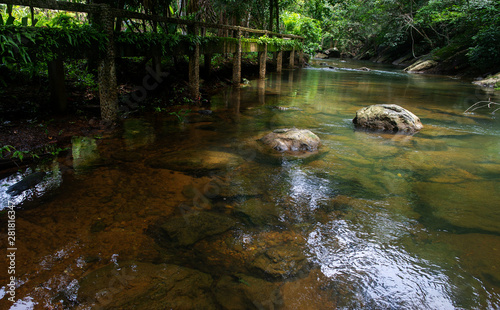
(190, 215)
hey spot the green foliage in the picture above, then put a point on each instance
(77, 72)
(6, 149)
(424, 26)
(485, 54)
(181, 115)
(64, 20)
(13, 153)
(56, 151)
(309, 28)
(279, 43)
(44, 43)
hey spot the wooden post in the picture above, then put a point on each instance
(279, 61)
(194, 67)
(301, 55)
(208, 64)
(156, 60)
(108, 94)
(237, 60)
(236, 102)
(262, 62)
(261, 86)
(58, 95)
(292, 58)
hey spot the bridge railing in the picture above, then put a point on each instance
(97, 8)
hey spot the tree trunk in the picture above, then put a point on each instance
(271, 15)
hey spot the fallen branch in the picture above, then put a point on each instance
(482, 104)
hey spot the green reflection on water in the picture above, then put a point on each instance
(444, 181)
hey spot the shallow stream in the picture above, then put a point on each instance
(191, 215)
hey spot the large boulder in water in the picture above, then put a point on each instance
(387, 117)
(292, 140)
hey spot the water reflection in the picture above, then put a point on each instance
(137, 134)
(85, 153)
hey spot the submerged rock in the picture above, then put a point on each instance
(192, 227)
(292, 140)
(280, 262)
(134, 285)
(388, 118)
(257, 212)
(316, 291)
(240, 291)
(195, 162)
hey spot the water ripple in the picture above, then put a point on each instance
(379, 274)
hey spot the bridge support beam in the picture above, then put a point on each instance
(279, 61)
(194, 67)
(194, 72)
(58, 95)
(156, 62)
(262, 62)
(108, 93)
(237, 61)
(208, 64)
(292, 58)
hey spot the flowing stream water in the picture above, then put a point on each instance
(169, 215)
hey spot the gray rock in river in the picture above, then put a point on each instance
(388, 118)
(292, 140)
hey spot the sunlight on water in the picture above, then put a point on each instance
(378, 274)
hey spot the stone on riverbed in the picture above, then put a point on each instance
(192, 227)
(198, 162)
(238, 291)
(135, 285)
(388, 118)
(280, 262)
(292, 140)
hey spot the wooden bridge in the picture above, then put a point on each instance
(229, 39)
